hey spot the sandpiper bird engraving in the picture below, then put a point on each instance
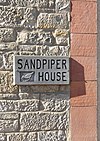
(27, 77)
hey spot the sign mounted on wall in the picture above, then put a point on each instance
(31, 70)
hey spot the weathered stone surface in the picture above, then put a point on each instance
(9, 97)
(19, 105)
(84, 123)
(8, 46)
(83, 94)
(29, 96)
(52, 20)
(22, 137)
(82, 68)
(44, 50)
(16, 137)
(28, 105)
(17, 17)
(6, 81)
(5, 116)
(81, 23)
(52, 136)
(31, 137)
(62, 36)
(50, 50)
(54, 102)
(3, 1)
(7, 60)
(63, 50)
(35, 37)
(31, 3)
(41, 89)
(43, 121)
(3, 137)
(8, 106)
(83, 45)
(8, 126)
(33, 27)
(7, 35)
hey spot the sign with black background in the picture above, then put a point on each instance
(31, 70)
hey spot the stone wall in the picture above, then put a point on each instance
(33, 27)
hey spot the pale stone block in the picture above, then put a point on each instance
(8, 106)
(55, 102)
(3, 1)
(7, 35)
(62, 36)
(22, 137)
(52, 20)
(9, 97)
(28, 105)
(3, 137)
(52, 136)
(44, 121)
(6, 83)
(29, 96)
(8, 126)
(63, 50)
(17, 17)
(8, 116)
(50, 50)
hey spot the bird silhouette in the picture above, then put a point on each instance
(27, 77)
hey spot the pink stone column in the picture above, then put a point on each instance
(83, 69)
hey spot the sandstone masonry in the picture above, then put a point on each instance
(33, 27)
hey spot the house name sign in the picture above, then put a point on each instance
(31, 70)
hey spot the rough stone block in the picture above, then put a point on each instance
(3, 1)
(83, 45)
(43, 89)
(8, 47)
(6, 83)
(62, 36)
(9, 97)
(52, 136)
(54, 102)
(29, 96)
(52, 20)
(24, 3)
(50, 50)
(81, 23)
(7, 60)
(44, 121)
(43, 3)
(63, 50)
(8, 126)
(8, 106)
(8, 116)
(51, 3)
(43, 50)
(28, 105)
(3, 137)
(17, 17)
(35, 38)
(7, 35)
(22, 137)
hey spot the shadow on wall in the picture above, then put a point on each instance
(77, 79)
